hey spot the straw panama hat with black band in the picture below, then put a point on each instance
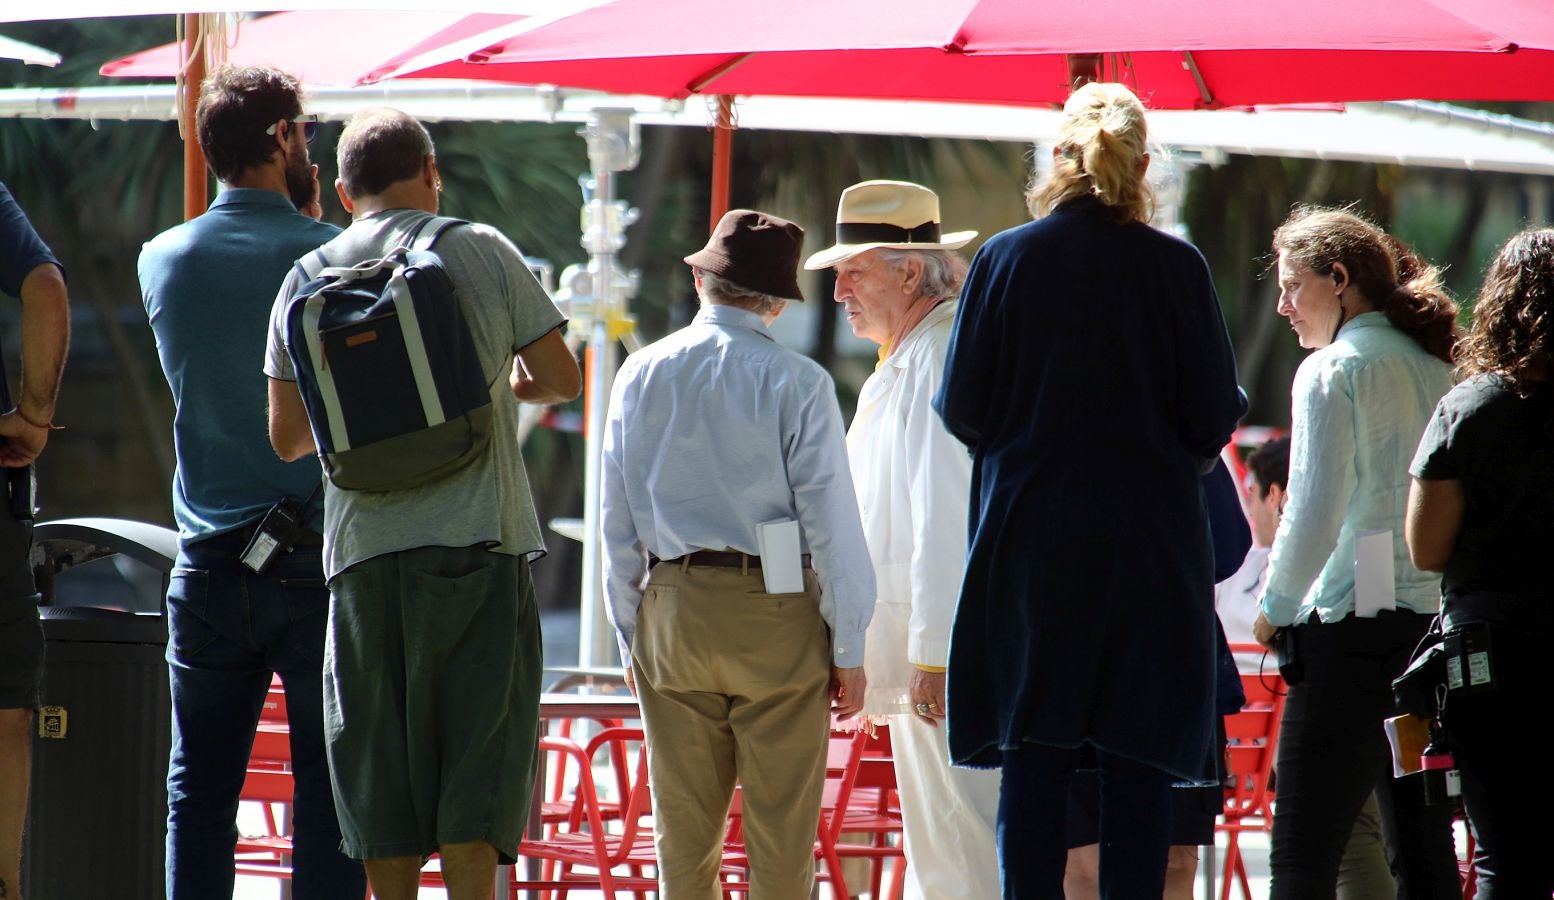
(896, 215)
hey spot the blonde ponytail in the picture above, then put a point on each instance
(1101, 148)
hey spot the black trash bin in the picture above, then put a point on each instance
(98, 816)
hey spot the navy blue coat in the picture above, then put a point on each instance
(1231, 539)
(1091, 376)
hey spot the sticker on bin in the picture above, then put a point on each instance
(53, 722)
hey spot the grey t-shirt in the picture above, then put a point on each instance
(488, 502)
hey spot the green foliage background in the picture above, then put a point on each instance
(97, 190)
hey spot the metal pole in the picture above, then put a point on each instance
(595, 646)
(612, 148)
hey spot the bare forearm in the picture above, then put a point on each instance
(530, 391)
(290, 436)
(45, 341)
(545, 372)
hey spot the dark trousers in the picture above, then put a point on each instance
(1504, 786)
(228, 629)
(1135, 829)
(1333, 753)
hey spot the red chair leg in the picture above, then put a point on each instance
(1246, 883)
(1232, 860)
(834, 866)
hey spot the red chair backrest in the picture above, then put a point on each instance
(1253, 734)
(634, 788)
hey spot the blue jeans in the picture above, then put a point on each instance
(228, 630)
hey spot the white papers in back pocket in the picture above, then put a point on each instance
(1375, 588)
(781, 567)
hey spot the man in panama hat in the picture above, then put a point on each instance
(714, 431)
(899, 277)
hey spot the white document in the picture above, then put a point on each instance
(1374, 586)
(781, 567)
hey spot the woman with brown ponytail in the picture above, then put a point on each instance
(1384, 332)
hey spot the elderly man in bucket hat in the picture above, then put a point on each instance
(899, 277)
(716, 437)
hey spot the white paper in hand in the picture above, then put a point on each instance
(1374, 585)
(781, 567)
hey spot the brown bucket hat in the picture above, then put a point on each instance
(755, 250)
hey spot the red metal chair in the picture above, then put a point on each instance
(269, 785)
(557, 803)
(857, 800)
(875, 809)
(267, 854)
(1253, 734)
(585, 840)
(1465, 868)
(274, 708)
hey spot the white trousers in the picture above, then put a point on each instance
(950, 817)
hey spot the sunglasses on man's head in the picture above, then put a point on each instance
(309, 123)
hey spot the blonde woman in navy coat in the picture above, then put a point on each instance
(1091, 376)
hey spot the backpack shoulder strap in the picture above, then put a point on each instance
(427, 233)
(311, 265)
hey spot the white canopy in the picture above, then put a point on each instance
(1405, 132)
(27, 53)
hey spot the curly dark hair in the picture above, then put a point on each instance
(1392, 277)
(237, 103)
(1513, 318)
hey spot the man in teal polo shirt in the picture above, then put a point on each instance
(207, 286)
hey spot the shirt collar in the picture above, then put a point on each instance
(252, 197)
(729, 316)
(944, 309)
(1363, 320)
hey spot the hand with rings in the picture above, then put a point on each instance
(927, 693)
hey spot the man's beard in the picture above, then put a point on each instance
(299, 181)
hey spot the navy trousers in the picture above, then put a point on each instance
(1135, 827)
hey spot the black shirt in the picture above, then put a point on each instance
(1501, 448)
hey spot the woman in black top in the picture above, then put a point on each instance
(1481, 511)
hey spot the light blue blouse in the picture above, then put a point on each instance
(1359, 408)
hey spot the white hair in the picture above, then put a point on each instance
(717, 289)
(944, 271)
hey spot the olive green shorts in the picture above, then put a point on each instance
(431, 700)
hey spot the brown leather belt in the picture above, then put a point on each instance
(727, 559)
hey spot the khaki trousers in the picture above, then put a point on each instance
(733, 684)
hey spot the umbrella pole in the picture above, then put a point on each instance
(196, 184)
(722, 163)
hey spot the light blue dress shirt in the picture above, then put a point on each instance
(711, 431)
(1360, 406)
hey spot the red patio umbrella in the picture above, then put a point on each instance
(318, 46)
(324, 46)
(1204, 53)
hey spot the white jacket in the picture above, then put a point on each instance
(913, 481)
